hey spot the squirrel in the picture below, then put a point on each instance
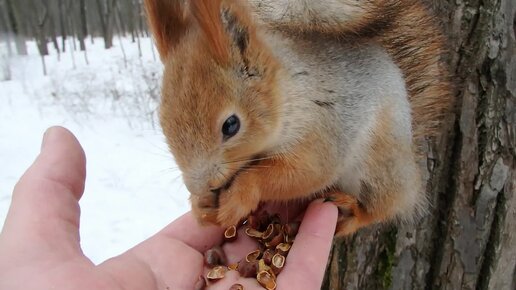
(275, 101)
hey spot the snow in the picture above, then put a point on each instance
(133, 187)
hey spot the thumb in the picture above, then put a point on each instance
(44, 215)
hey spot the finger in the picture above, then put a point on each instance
(307, 259)
(44, 213)
(160, 261)
(174, 256)
(189, 231)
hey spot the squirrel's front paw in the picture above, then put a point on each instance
(238, 201)
(205, 208)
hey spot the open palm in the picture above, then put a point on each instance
(40, 244)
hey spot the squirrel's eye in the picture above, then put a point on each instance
(230, 127)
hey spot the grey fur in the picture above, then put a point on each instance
(359, 80)
(308, 12)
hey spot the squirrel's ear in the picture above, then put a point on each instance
(167, 21)
(207, 14)
(227, 25)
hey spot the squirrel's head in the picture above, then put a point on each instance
(220, 106)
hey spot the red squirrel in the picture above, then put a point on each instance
(291, 100)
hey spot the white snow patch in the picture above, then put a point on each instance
(133, 187)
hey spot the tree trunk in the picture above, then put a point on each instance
(141, 22)
(62, 23)
(15, 23)
(51, 29)
(6, 27)
(131, 19)
(120, 23)
(83, 29)
(41, 15)
(468, 239)
(105, 8)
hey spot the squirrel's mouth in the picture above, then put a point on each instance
(286, 209)
(252, 161)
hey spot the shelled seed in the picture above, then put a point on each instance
(230, 234)
(217, 273)
(237, 287)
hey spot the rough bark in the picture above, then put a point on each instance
(468, 238)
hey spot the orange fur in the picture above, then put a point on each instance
(352, 215)
(207, 14)
(301, 172)
(202, 81)
(415, 41)
(168, 23)
(211, 75)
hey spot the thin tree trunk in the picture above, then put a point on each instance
(117, 22)
(141, 16)
(468, 239)
(42, 18)
(139, 42)
(131, 19)
(62, 23)
(106, 20)
(121, 23)
(15, 23)
(8, 30)
(51, 28)
(41, 15)
(70, 20)
(72, 43)
(83, 27)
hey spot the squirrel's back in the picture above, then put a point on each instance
(405, 28)
(347, 84)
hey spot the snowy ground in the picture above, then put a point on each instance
(132, 188)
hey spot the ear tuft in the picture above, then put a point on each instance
(207, 14)
(167, 21)
(237, 29)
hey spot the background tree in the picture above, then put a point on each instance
(84, 24)
(106, 10)
(468, 240)
(45, 20)
(61, 4)
(15, 19)
(5, 28)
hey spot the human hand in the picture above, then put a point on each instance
(40, 246)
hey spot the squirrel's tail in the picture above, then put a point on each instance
(414, 39)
